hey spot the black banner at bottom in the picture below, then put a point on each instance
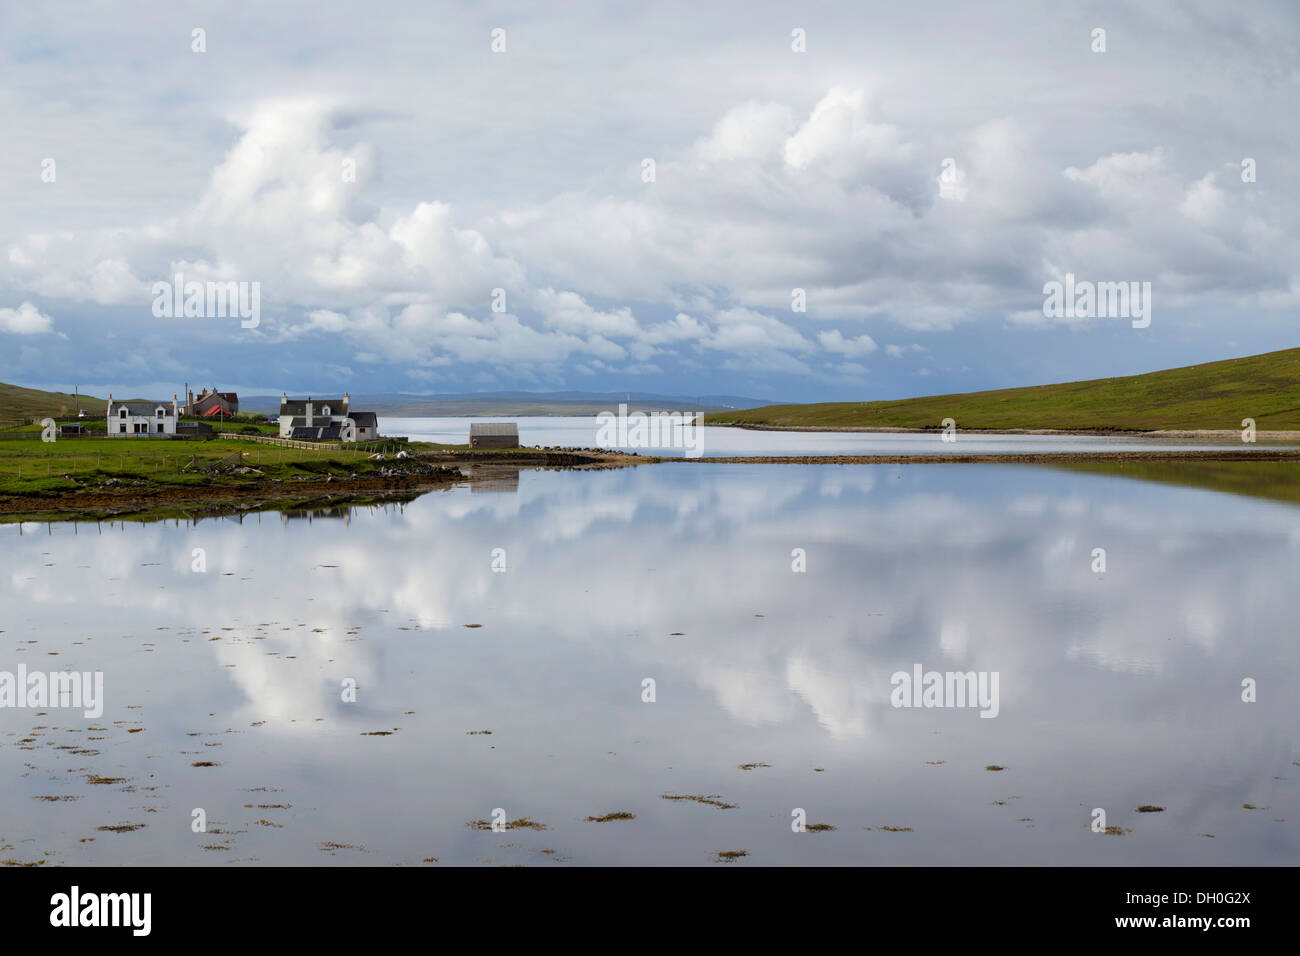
(300, 905)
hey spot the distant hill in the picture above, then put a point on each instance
(1216, 395)
(514, 404)
(18, 404)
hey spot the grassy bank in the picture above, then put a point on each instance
(50, 468)
(117, 478)
(1216, 395)
(19, 404)
(100, 477)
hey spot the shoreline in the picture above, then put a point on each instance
(1203, 434)
(137, 496)
(1031, 458)
(211, 500)
(430, 471)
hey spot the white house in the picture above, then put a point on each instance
(141, 418)
(324, 419)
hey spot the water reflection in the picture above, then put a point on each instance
(494, 480)
(1117, 689)
(717, 441)
(312, 514)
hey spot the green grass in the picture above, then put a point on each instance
(17, 404)
(1216, 395)
(35, 467)
(240, 426)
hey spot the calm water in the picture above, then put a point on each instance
(1116, 690)
(581, 432)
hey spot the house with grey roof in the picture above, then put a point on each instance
(141, 419)
(325, 419)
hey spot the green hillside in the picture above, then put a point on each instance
(17, 404)
(1216, 395)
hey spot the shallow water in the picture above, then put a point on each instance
(716, 441)
(1117, 690)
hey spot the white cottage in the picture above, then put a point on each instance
(141, 418)
(324, 419)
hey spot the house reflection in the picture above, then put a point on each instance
(494, 480)
(312, 514)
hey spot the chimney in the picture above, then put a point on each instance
(347, 400)
(284, 398)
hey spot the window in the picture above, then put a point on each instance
(121, 429)
(160, 427)
(161, 412)
(122, 413)
(325, 411)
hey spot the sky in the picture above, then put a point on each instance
(787, 201)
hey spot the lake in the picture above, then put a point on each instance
(323, 689)
(719, 441)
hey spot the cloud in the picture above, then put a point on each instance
(381, 223)
(897, 351)
(25, 320)
(569, 312)
(833, 341)
(840, 136)
(751, 131)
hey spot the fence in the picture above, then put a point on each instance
(282, 442)
(383, 443)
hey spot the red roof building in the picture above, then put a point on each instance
(212, 402)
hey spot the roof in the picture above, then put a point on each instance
(364, 419)
(138, 408)
(483, 429)
(298, 406)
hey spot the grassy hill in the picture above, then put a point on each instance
(1216, 395)
(18, 404)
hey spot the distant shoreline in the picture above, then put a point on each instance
(1204, 434)
(1000, 458)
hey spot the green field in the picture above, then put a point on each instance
(36, 467)
(17, 404)
(1216, 395)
